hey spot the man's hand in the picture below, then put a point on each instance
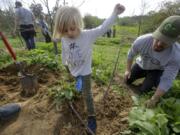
(155, 98)
(119, 9)
(127, 75)
(151, 103)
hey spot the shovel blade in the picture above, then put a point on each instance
(29, 85)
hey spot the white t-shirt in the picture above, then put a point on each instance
(24, 16)
(77, 53)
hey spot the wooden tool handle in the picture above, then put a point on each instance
(8, 46)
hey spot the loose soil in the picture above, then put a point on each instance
(40, 116)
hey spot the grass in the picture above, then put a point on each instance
(105, 54)
(127, 30)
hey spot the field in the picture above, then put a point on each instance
(48, 113)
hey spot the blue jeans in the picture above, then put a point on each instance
(87, 94)
(28, 33)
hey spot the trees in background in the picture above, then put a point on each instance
(154, 19)
(150, 21)
(37, 9)
(7, 11)
(91, 21)
(7, 16)
(147, 23)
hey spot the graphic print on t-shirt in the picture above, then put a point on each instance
(147, 57)
(75, 56)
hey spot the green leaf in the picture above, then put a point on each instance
(176, 127)
(161, 119)
(135, 100)
(146, 127)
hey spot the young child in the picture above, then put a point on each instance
(77, 49)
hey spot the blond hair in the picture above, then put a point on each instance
(65, 17)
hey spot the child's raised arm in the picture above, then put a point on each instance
(100, 30)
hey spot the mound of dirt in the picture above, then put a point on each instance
(40, 116)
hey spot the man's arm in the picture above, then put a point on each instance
(165, 84)
(134, 50)
(128, 69)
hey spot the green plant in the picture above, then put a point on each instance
(63, 92)
(42, 57)
(171, 107)
(163, 120)
(5, 59)
(148, 122)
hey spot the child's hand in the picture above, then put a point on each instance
(119, 9)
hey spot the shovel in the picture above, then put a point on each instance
(28, 82)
